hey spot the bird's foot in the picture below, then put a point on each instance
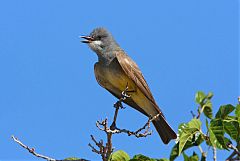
(124, 94)
(119, 104)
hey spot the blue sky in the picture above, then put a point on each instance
(49, 97)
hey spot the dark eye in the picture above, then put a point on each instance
(99, 37)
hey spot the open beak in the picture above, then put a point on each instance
(88, 39)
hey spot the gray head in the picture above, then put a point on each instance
(101, 41)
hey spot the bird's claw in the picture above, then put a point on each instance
(118, 104)
(124, 95)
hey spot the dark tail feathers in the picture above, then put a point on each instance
(164, 129)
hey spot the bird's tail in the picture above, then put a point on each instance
(164, 129)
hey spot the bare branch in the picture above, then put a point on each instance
(231, 156)
(234, 148)
(235, 152)
(136, 133)
(214, 154)
(200, 111)
(193, 115)
(106, 150)
(32, 150)
(204, 154)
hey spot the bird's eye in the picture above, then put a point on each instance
(99, 37)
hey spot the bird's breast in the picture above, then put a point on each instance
(112, 77)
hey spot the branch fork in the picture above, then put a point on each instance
(106, 150)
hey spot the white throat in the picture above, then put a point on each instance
(97, 42)
(96, 46)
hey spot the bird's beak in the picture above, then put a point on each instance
(88, 39)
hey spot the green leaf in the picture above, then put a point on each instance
(183, 140)
(205, 103)
(231, 118)
(119, 155)
(207, 109)
(237, 113)
(216, 134)
(174, 152)
(194, 157)
(209, 95)
(197, 140)
(187, 132)
(194, 124)
(231, 128)
(224, 111)
(200, 97)
(164, 159)
(208, 128)
(141, 157)
(185, 157)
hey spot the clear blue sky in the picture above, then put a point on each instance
(48, 94)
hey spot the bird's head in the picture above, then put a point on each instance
(100, 41)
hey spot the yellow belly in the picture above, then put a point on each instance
(115, 80)
(113, 76)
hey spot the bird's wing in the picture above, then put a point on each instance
(132, 70)
(102, 83)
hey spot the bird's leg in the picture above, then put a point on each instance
(124, 95)
(113, 125)
(118, 105)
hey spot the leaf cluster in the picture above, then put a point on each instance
(222, 131)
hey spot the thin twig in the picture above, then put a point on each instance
(235, 152)
(200, 111)
(234, 148)
(204, 154)
(32, 150)
(102, 149)
(231, 156)
(136, 133)
(193, 115)
(214, 153)
(106, 150)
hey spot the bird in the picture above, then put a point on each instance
(115, 71)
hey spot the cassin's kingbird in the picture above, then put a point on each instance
(115, 70)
